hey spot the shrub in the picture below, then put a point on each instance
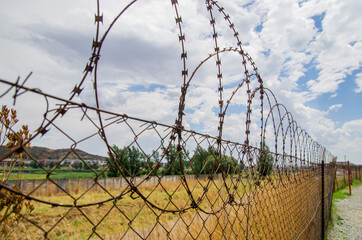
(12, 206)
(207, 162)
(265, 161)
(131, 158)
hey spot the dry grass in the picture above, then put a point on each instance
(270, 209)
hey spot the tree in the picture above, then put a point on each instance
(33, 164)
(65, 164)
(77, 165)
(202, 160)
(265, 161)
(208, 161)
(51, 165)
(229, 164)
(94, 166)
(152, 166)
(131, 158)
(177, 160)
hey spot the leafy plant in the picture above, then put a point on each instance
(129, 159)
(12, 206)
(265, 161)
(207, 162)
(176, 159)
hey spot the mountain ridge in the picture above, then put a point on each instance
(48, 153)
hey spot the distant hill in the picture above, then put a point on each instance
(47, 153)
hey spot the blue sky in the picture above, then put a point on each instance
(307, 52)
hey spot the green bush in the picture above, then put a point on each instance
(265, 161)
(129, 159)
(208, 161)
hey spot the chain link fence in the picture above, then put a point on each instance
(174, 182)
(341, 180)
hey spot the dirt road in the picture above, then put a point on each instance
(348, 217)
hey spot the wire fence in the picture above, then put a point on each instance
(341, 180)
(278, 188)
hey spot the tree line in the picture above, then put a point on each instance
(131, 161)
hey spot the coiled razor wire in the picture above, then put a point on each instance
(227, 202)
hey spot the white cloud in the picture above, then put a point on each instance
(353, 127)
(143, 49)
(348, 141)
(358, 81)
(333, 95)
(336, 57)
(335, 107)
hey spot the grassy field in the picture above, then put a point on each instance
(270, 208)
(37, 173)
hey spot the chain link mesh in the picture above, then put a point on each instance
(210, 187)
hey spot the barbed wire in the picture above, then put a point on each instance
(237, 190)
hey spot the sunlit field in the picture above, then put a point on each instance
(271, 208)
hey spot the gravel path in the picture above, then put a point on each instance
(347, 219)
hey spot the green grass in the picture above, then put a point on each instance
(339, 195)
(356, 182)
(31, 173)
(342, 194)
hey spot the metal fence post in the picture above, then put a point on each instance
(349, 178)
(322, 199)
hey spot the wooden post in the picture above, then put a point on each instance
(349, 178)
(344, 175)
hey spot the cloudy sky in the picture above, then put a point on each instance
(307, 52)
